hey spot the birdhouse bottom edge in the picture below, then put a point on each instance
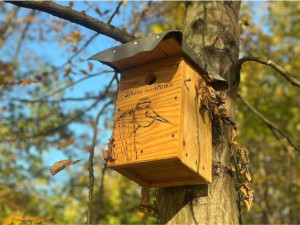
(160, 173)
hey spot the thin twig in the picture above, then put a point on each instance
(79, 51)
(72, 119)
(91, 161)
(273, 65)
(139, 18)
(101, 189)
(26, 28)
(115, 12)
(8, 21)
(77, 17)
(271, 125)
(88, 41)
(74, 83)
(55, 101)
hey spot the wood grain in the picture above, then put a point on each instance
(197, 131)
(160, 137)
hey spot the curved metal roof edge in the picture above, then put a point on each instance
(132, 48)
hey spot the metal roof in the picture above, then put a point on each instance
(153, 48)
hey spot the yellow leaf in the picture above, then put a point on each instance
(248, 176)
(65, 143)
(58, 166)
(248, 205)
(156, 28)
(27, 81)
(232, 169)
(20, 218)
(243, 190)
(124, 3)
(243, 171)
(233, 136)
(214, 39)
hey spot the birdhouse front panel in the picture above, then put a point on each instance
(147, 115)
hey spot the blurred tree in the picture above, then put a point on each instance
(41, 117)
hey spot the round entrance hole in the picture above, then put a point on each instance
(150, 79)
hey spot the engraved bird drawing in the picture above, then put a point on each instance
(145, 116)
(130, 122)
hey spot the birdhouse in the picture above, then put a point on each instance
(161, 136)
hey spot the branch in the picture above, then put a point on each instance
(101, 191)
(74, 83)
(79, 51)
(8, 21)
(72, 119)
(54, 101)
(115, 12)
(28, 24)
(271, 125)
(89, 41)
(273, 65)
(77, 17)
(140, 17)
(91, 161)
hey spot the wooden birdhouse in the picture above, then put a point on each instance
(162, 136)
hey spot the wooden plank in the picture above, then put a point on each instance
(147, 115)
(160, 173)
(197, 132)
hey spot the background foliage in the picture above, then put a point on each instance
(50, 96)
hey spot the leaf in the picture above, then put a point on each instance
(65, 143)
(248, 204)
(233, 136)
(58, 166)
(124, 3)
(84, 72)
(248, 176)
(245, 20)
(232, 169)
(244, 154)
(71, 4)
(243, 171)
(214, 39)
(74, 38)
(91, 66)
(27, 81)
(20, 218)
(243, 190)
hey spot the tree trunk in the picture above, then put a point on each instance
(215, 203)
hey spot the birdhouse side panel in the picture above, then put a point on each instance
(146, 125)
(197, 132)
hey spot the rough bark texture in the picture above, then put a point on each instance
(215, 203)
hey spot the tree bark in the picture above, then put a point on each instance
(215, 203)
